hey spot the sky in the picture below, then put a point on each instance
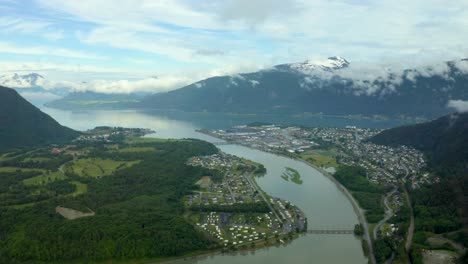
(151, 45)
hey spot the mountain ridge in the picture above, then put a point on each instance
(412, 92)
(444, 139)
(23, 125)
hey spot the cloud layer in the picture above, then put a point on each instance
(458, 105)
(113, 46)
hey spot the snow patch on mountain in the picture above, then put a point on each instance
(313, 66)
(254, 82)
(15, 80)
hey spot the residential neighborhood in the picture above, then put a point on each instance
(234, 210)
(349, 146)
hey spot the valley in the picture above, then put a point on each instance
(87, 182)
(376, 176)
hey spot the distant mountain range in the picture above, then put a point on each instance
(328, 87)
(331, 87)
(22, 124)
(92, 100)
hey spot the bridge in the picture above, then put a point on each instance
(331, 231)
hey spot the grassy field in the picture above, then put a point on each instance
(45, 178)
(80, 188)
(136, 149)
(320, 158)
(21, 206)
(98, 167)
(36, 159)
(14, 169)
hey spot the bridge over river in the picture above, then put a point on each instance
(330, 231)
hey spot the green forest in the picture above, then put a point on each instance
(137, 209)
(367, 194)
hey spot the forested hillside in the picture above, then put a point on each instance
(117, 201)
(22, 124)
(440, 208)
(284, 89)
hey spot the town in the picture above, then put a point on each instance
(385, 165)
(234, 210)
(329, 148)
(109, 134)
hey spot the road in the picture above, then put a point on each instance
(232, 194)
(388, 213)
(254, 185)
(409, 238)
(365, 225)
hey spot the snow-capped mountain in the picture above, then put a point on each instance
(323, 87)
(15, 80)
(31, 87)
(311, 66)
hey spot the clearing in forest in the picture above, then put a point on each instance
(72, 214)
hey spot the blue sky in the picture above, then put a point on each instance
(181, 41)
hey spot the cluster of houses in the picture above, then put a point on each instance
(109, 134)
(234, 188)
(234, 234)
(384, 164)
(235, 229)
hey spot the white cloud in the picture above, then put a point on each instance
(153, 85)
(20, 25)
(206, 38)
(459, 105)
(6, 47)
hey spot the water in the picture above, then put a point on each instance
(325, 206)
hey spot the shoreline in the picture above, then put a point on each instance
(260, 245)
(356, 208)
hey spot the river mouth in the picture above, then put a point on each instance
(325, 206)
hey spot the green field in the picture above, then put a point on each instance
(320, 158)
(136, 149)
(45, 178)
(36, 159)
(14, 169)
(80, 188)
(96, 167)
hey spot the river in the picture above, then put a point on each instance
(324, 205)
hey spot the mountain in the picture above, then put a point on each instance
(21, 81)
(444, 140)
(22, 124)
(332, 87)
(310, 66)
(93, 100)
(31, 86)
(441, 207)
